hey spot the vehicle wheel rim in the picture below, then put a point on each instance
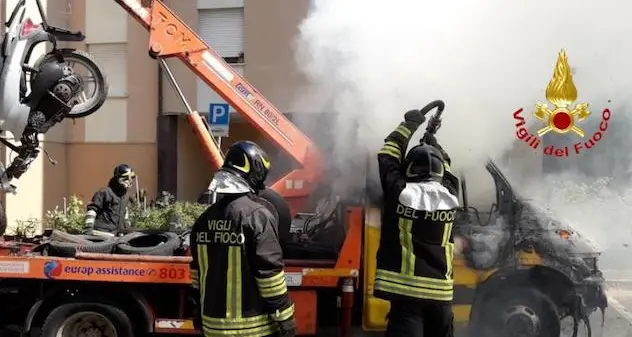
(87, 324)
(521, 321)
(83, 99)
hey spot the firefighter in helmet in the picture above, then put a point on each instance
(107, 211)
(414, 259)
(237, 259)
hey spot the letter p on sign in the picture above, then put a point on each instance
(219, 119)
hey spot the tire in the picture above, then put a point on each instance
(61, 236)
(517, 308)
(70, 249)
(113, 321)
(82, 110)
(282, 210)
(157, 244)
(95, 238)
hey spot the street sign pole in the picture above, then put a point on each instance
(214, 195)
(219, 122)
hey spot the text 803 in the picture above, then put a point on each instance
(172, 273)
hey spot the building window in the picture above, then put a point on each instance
(112, 58)
(223, 30)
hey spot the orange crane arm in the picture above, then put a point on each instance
(169, 36)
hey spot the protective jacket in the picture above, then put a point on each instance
(107, 211)
(414, 259)
(238, 268)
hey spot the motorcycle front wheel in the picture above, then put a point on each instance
(91, 76)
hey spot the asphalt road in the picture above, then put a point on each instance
(619, 315)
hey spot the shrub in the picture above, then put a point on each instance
(24, 229)
(70, 219)
(164, 214)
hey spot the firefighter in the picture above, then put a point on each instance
(414, 259)
(237, 259)
(107, 211)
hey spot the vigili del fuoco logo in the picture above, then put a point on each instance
(560, 115)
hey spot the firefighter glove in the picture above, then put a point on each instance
(414, 117)
(287, 328)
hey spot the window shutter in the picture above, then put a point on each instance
(112, 58)
(223, 30)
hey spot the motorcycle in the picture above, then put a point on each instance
(35, 98)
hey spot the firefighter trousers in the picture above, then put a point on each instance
(420, 319)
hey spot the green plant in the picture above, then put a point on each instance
(70, 219)
(164, 214)
(141, 214)
(25, 228)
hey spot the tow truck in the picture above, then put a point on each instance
(538, 275)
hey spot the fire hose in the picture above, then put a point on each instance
(434, 123)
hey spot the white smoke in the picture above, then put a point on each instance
(369, 61)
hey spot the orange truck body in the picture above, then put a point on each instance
(172, 272)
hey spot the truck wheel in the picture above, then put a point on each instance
(87, 320)
(518, 312)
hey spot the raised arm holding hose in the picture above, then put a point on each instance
(450, 181)
(414, 259)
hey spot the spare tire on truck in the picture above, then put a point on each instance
(157, 244)
(88, 244)
(57, 235)
(282, 210)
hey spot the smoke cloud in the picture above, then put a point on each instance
(369, 61)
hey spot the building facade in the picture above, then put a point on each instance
(142, 122)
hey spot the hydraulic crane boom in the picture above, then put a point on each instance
(171, 37)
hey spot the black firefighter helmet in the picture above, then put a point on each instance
(123, 171)
(423, 163)
(249, 161)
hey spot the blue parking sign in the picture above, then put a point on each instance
(219, 119)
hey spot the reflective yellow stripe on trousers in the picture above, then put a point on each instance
(406, 241)
(233, 283)
(449, 248)
(202, 255)
(195, 278)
